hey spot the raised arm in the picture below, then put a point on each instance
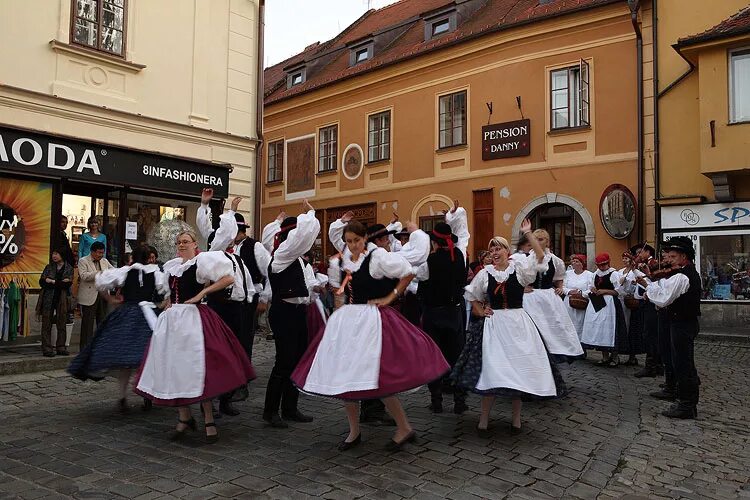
(299, 240)
(336, 231)
(457, 219)
(269, 232)
(203, 217)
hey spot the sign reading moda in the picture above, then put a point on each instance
(506, 140)
(49, 156)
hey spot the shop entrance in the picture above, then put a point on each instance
(81, 202)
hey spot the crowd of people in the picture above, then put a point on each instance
(396, 309)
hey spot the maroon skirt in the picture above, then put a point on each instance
(316, 324)
(227, 365)
(408, 359)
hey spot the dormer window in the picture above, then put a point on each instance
(439, 24)
(296, 76)
(361, 52)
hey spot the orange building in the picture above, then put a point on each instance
(516, 108)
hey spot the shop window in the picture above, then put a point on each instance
(427, 223)
(739, 89)
(275, 161)
(570, 97)
(100, 25)
(379, 137)
(452, 120)
(724, 266)
(327, 148)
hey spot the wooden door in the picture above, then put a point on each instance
(484, 221)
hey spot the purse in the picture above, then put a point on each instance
(578, 302)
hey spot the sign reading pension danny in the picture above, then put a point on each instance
(506, 140)
(39, 154)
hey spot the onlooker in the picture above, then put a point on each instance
(63, 243)
(93, 307)
(53, 303)
(89, 238)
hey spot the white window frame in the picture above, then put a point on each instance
(745, 53)
(370, 159)
(578, 95)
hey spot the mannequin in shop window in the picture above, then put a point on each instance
(90, 237)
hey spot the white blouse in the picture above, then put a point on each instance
(582, 282)
(525, 268)
(212, 267)
(459, 223)
(383, 264)
(115, 277)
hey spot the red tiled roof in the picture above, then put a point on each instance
(736, 25)
(493, 16)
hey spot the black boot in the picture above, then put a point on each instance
(646, 371)
(667, 394)
(225, 407)
(275, 420)
(273, 397)
(296, 416)
(681, 411)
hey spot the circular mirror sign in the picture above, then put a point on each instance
(617, 211)
(352, 161)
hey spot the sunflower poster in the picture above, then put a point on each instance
(25, 218)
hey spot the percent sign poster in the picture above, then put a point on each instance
(25, 213)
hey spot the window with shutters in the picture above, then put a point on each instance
(570, 97)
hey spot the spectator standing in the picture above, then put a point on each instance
(93, 307)
(53, 303)
(89, 238)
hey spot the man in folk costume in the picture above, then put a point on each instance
(680, 294)
(441, 294)
(288, 290)
(647, 264)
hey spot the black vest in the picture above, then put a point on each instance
(132, 291)
(604, 282)
(363, 287)
(186, 286)
(506, 295)
(247, 253)
(688, 305)
(289, 283)
(545, 280)
(447, 279)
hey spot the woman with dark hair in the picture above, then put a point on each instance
(52, 305)
(122, 338)
(368, 350)
(90, 237)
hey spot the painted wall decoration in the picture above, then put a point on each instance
(352, 161)
(25, 218)
(300, 166)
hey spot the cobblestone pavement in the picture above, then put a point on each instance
(62, 438)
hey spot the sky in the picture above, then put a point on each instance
(292, 25)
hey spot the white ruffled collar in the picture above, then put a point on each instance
(146, 268)
(601, 273)
(353, 267)
(501, 276)
(176, 266)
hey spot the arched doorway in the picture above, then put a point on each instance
(570, 225)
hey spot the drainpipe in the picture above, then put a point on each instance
(655, 63)
(634, 7)
(259, 119)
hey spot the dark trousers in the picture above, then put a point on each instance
(59, 318)
(651, 335)
(289, 326)
(445, 325)
(665, 349)
(251, 324)
(235, 316)
(96, 312)
(683, 335)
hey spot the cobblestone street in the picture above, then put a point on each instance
(63, 438)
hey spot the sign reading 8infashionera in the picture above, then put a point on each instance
(38, 154)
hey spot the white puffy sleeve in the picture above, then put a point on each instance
(476, 291)
(262, 258)
(111, 278)
(394, 226)
(459, 223)
(226, 233)
(321, 279)
(334, 271)
(384, 264)
(213, 266)
(417, 249)
(336, 234)
(162, 283)
(559, 268)
(396, 245)
(665, 291)
(269, 233)
(266, 294)
(527, 266)
(422, 272)
(298, 241)
(203, 221)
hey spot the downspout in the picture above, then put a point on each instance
(655, 63)
(634, 7)
(259, 119)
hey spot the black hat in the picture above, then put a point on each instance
(377, 231)
(440, 233)
(681, 244)
(642, 246)
(240, 219)
(404, 233)
(288, 223)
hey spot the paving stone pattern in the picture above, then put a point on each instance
(61, 438)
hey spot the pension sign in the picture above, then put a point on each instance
(506, 140)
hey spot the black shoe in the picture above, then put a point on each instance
(211, 439)
(459, 407)
(436, 407)
(122, 405)
(48, 354)
(483, 433)
(226, 408)
(63, 352)
(631, 362)
(646, 371)
(190, 424)
(377, 420)
(297, 416)
(514, 431)
(147, 404)
(216, 413)
(344, 445)
(682, 412)
(397, 445)
(664, 394)
(275, 421)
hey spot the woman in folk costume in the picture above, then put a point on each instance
(121, 340)
(504, 353)
(193, 355)
(627, 289)
(546, 308)
(604, 324)
(577, 283)
(369, 350)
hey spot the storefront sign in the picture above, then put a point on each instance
(712, 215)
(34, 153)
(131, 230)
(506, 140)
(25, 212)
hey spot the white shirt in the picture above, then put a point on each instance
(665, 291)
(262, 259)
(582, 282)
